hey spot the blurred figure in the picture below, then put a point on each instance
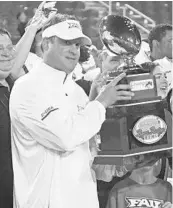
(160, 42)
(85, 71)
(159, 50)
(7, 54)
(22, 22)
(144, 53)
(110, 61)
(96, 55)
(90, 68)
(165, 66)
(141, 188)
(161, 82)
(158, 45)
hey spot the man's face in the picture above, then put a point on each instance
(161, 82)
(7, 54)
(64, 54)
(165, 44)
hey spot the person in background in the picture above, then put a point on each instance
(158, 49)
(157, 46)
(165, 66)
(160, 42)
(161, 81)
(96, 55)
(22, 22)
(141, 188)
(6, 171)
(36, 44)
(53, 121)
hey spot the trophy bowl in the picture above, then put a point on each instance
(120, 35)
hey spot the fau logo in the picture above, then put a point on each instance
(143, 202)
(73, 25)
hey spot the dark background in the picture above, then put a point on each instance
(88, 12)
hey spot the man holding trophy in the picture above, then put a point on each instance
(53, 121)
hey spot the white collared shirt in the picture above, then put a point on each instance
(52, 123)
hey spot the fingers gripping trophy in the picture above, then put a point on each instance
(143, 124)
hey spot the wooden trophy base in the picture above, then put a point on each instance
(135, 129)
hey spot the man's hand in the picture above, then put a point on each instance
(167, 205)
(40, 19)
(112, 92)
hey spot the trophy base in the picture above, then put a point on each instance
(135, 129)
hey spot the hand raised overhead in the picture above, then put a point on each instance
(40, 18)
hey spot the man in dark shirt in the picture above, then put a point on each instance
(6, 172)
(11, 62)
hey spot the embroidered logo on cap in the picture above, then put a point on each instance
(73, 25)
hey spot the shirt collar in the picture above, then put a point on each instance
(49, 72)
(52, 75)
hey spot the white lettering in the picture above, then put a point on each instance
(157, 204)
(143, 202)
(150, 136)
(133, 202)
(141, 85)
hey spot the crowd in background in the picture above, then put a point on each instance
(93, 63)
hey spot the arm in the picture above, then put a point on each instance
(55, 122)
(61, 130)
(93, 92)
(24, 45)
(22, 51)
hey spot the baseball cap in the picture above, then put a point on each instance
(67, 30)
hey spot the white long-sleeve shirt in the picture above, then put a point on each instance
(52, 123)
